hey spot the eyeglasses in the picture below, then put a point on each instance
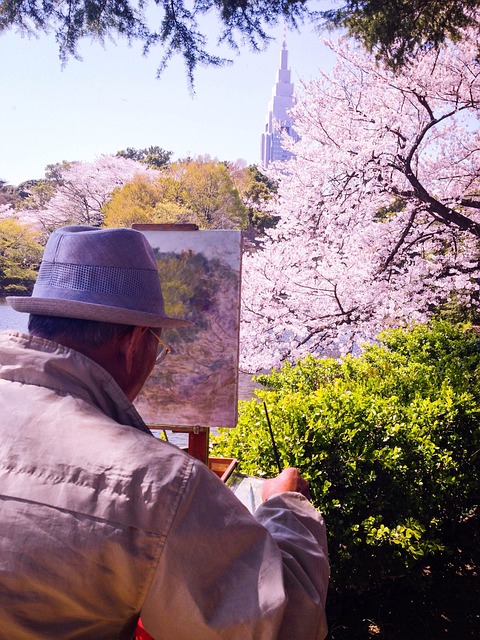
(162, 349)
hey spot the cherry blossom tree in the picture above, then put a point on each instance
(77, 191)
(6, 211)
(379, 211)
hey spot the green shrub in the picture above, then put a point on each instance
(390, 443)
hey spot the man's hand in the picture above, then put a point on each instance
(289, 480)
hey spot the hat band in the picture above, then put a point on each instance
(96, 279)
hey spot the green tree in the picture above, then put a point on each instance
(147, 201)
(154, 157)
(8, 194)
(134, 203)
(197, 191)
(172, 24)
(255, 190)
(256, 195)
(396, 29)
(20, 254)
(211, 194)
(36, 193)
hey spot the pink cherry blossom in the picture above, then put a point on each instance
(379, 211)
(82, 188)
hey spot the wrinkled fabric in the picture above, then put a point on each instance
(100, 522)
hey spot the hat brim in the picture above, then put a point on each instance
(90, 311)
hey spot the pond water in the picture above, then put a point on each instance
(10, 319)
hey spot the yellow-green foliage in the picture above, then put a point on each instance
(390, 443)
(195, 191)
(20, 254)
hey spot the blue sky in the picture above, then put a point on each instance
(112, 100)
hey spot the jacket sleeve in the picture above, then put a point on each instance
(225, 574)
(299, 531)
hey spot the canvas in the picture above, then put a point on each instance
(197, 384)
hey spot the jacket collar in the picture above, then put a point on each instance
(31, 360)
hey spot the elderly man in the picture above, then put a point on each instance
(101, 523)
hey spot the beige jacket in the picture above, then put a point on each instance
(100, 522)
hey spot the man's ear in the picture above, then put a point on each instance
(129, 344)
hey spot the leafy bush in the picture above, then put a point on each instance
(390, 443)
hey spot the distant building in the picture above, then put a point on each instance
(278, 120)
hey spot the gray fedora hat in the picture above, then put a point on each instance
(108, 275)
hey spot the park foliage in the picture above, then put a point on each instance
(135, 186)
(20, 254)
(141, 185)
(390, 444)
(199, 191)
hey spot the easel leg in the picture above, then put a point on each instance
(198, 444)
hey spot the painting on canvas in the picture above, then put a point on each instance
(197, 384)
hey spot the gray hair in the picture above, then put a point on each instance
(89, 332)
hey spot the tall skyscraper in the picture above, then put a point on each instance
(278, 120)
